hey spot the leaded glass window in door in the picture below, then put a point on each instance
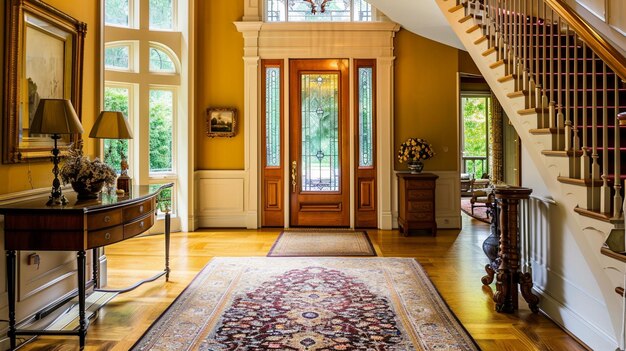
(319, 166)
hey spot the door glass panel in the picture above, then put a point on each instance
(365, 117)
(272, 116)
(320, 132)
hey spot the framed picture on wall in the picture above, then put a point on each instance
(221, 122)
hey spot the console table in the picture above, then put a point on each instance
(79, 226)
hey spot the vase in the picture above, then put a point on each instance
(416, 167)
(85, 191)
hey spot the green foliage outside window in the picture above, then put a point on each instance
(476, 119)
(161, 115)
(115, 99)
(161, 14)
(116, 12)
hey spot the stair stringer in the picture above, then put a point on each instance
(584, 303)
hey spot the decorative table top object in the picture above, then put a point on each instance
(413, 151)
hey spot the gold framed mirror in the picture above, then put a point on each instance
(44, 59)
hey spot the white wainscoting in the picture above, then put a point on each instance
(221, 199)
(447, 200)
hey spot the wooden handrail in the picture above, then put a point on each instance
(606, 51)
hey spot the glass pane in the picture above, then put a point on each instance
(275, 10)
(162, 14)
(272, 116)
(116, 99)
(333, 11)
(160, 61)
(117, 57)
(475, 114)
(165, 200)
(161, 132)
(362, 11)
(366, 149)
(116, 12)
(320, 132)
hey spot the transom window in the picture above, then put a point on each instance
(318, 11)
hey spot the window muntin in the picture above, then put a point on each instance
(161, 130)
(318, 11)
(366, 141)
(161, 61)
(272, 116)
(117, 57)
(161, 14)
(116, 99)
(117, 13)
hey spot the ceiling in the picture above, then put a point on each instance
(422, 17)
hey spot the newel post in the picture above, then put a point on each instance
(508, 275)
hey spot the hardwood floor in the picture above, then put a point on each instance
(454, 260)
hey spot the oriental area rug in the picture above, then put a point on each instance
(260, 303)
(322, 242)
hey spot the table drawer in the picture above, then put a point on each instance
(420, 184)
(420, 216)
(420, 206)
(103, 237)
(138, 210)
(425, 194)
(139, 226)
(104, 219)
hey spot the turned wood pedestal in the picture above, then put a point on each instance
(508, 275)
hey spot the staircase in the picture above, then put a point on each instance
(564, 90)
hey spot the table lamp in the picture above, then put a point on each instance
(55, 117)
(113, 125)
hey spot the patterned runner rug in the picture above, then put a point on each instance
(322, 242)
(260, 303)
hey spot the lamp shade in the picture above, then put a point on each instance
(111, 125)
(55, 116)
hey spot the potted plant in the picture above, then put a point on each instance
(86, 177)
(413, 151)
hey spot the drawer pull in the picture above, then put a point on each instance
(106, 219)
(141, 209)
(107, 236)
(141, 224)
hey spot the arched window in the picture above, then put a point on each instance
(161, 61)
(118, 57)
(144, 80)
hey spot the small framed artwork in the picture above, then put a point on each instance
(221, 122)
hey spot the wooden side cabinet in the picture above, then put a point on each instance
(416, 195)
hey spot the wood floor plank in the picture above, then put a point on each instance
(453, 260)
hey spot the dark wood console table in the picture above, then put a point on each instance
(78, 226)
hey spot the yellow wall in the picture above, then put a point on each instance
(16, 177)
(219, 81)
(426, 98)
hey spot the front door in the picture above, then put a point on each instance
(319, 143)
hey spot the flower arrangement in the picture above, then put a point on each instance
(414, 149)
(85, 175)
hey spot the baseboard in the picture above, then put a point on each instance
(574, 324)
(222, 221)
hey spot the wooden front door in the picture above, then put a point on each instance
(319, 143)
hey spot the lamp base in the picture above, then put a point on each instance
(123, 183)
